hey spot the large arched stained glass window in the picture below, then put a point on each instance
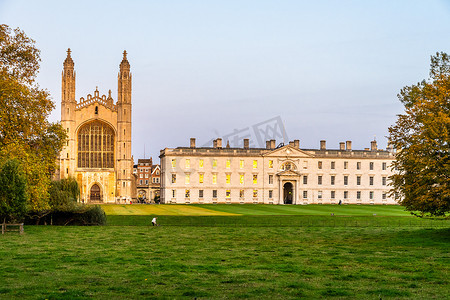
(96, 146)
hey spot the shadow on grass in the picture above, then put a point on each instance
(278, 221)
(421, 236)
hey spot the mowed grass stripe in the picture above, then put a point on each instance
(337, 210)
(161, 210)
(309, 210)
(277, 221)
(254, 210)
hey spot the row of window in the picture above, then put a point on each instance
(201, 177)
(146, 176)
(285, 166)
(187, 193)
(320, 195)
(145, 170)
(187, 163)
(346, 195)
(154, 180)
(346, 177)
(345, 165)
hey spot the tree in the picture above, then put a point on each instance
(13, 196)
(25, 132)
(422, 138)
(64, 194)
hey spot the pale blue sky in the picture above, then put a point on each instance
(330, 69)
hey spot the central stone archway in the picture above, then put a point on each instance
(95, 194)
(288, 193)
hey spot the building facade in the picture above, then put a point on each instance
(147, 176)
(98, 149)
(276, 175)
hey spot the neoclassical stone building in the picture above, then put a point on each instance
(98, 150)
(276, 175)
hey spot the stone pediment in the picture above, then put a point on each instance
(287, 151)
(288, 173)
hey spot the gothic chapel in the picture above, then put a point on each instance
(98, 149)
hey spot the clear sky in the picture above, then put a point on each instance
(328, 69)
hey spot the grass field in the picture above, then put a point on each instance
(267, 216)
(165, 210)
(254, 210)
(265, 256)
(219, 262)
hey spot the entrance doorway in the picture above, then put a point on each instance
(95, 195)
(287, 193)
(142, 196)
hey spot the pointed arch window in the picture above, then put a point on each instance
(96, 146)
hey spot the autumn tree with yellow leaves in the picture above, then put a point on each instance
(421, 136)
(25, 132)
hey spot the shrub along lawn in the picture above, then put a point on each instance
(258, 261)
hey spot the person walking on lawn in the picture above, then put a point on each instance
(154, 221)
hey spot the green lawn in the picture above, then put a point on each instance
(338, 210)
(252, 209)
(263, 262)
(166, 210)
(267, 215)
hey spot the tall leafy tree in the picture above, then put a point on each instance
(421, 136)
(13, 195)
(25, 132)
(64, 194)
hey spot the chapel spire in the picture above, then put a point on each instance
(68, 62)
(125, 65)
(124, 81)
(68, 82)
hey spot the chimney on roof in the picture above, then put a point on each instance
(373, 146)
(214, 143)
(267, 144)
(390, 148)
(219, 143)
(323, 145)
(192, 142)
(272, 144)
(291, 143)
(349, 145)
(341, 146)
(297, 144)
(246, 143)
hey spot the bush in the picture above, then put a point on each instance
(93, 215)
(82, 215)
(65, 210)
